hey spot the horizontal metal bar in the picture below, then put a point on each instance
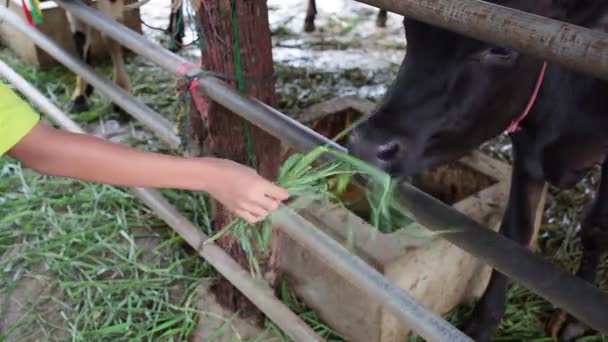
(257, 291)
(293, 132)
(149, 118)
(424, 322)
(577, 47)
(574, 295)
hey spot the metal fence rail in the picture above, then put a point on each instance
(258, 292)
(574, 46)
(573, 294)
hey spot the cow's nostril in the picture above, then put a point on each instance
(388, 151)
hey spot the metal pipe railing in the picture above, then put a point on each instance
(258, 292)
(149, 118)
(577, 47)
(573, 294)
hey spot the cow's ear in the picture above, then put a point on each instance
(498, 56)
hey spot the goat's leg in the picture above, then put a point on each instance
(381, 18)
(116, 9)
(82, 91)
(119, 73)
(176, 28)
(311, 13)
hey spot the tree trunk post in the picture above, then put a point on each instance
(222, 133)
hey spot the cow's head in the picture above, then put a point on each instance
(452, 93)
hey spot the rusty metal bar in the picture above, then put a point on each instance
(257, 291)
(555, 41)
(574, 295)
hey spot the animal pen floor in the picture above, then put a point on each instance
(88, 262)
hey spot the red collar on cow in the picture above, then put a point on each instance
(515, 125)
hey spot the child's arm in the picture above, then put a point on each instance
(239, 188)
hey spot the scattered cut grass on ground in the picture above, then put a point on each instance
(100, 264)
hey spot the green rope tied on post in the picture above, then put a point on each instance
(36, 12)
(187, 93)
(185, 96)
(241, 81)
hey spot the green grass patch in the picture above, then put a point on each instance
(92, 253)
(299, 88)
(309, 316)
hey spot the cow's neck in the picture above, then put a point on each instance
(567, 126)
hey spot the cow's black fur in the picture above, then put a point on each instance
(453, 93)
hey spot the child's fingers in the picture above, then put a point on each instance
(277, 192)
(255, 210)
(247, 216)
(269, 204)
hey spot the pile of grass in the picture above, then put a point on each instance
(78, 247)
(308, 315)
(307, 177)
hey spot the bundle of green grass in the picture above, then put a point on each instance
(308, 177)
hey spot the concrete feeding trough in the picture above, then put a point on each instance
(438, 274)
(56, 26)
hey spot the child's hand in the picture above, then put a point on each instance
(242, 190)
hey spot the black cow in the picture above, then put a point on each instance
(453, 93)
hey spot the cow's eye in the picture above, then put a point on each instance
(500, 51)
(498, 56)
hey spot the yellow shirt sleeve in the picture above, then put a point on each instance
(17, 118)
